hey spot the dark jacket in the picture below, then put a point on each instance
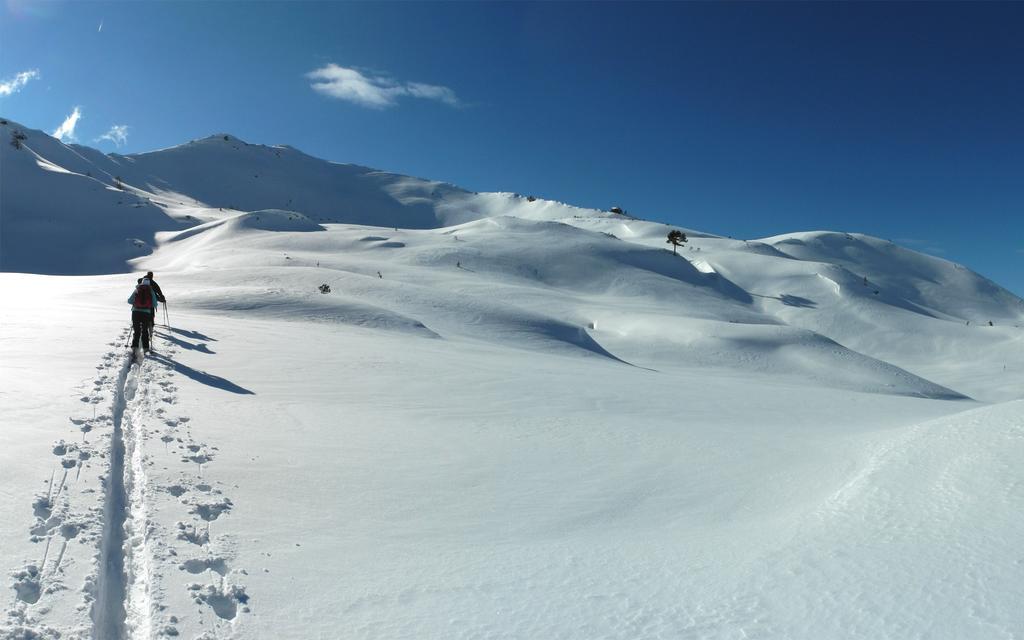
(157, 291)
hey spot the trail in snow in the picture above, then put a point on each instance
(136, 558)
(109, 607)
(104, 565)
(172, 558)
(57, 583)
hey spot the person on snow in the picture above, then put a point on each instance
(156, 287)
(159, 298)
(143, 301)
(152, 318)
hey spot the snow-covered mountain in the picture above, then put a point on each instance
(507, 417)
(791, 303)
(51, 190)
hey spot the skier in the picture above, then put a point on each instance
(156, 287)
(159, 297)
(152, 318)
(143, 308)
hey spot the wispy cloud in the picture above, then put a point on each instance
(374, 91)
(66, 131)
(7, 87)
(118, 134)
(100, 29)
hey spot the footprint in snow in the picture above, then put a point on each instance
(224, 602)
(199, 565)
(42, 508)
(189, 533)
(199, 458)
(176, 490)
(70, 530)
(210, 511)
(47, 525)
(27, 584)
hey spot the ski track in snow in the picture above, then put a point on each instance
(69, 511)
(127, 425)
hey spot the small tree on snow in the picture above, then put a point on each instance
(676, 238)
(16, 138)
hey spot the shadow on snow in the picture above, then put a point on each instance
(201, 347)
(201, 376)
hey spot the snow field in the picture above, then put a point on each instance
(508, 418)
(340, 490)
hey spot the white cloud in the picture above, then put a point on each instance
(66, 131)
(7, 87)
(432, 92)
(374, 91)
(118, 134)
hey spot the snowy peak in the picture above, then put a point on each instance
(210, 178)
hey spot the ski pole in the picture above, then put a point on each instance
(131, 328)
(167, 318)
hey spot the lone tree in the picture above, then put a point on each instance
(16, 138)
(676, 238)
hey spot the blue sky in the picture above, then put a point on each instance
(904, 121)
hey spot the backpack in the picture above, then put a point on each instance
(143, 297)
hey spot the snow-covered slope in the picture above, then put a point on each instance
(298, 463)
(58, 214)
(928, 315)
(503, 418)
(539, 285)
(844, 291)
